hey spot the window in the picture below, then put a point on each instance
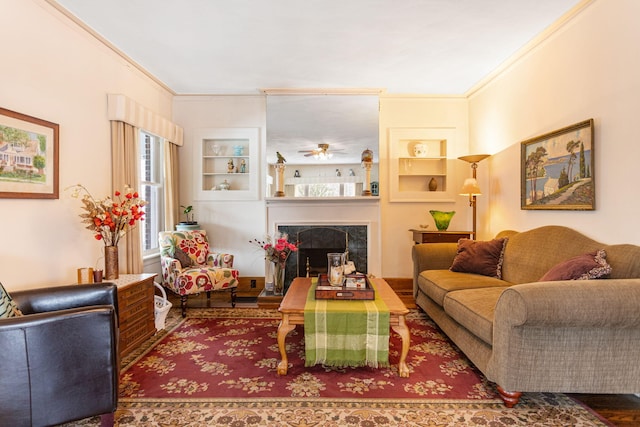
(325, 189)
(151, 190)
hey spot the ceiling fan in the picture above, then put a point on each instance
(322, 152)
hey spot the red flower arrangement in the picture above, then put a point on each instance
(279, 251)
(110, 218)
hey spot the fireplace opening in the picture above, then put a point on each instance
(312, 262)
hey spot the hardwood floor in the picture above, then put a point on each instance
(622, 410)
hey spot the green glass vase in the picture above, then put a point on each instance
(442, 219)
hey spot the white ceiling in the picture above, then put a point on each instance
(242, 46)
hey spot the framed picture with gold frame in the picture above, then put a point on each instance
(557, 169)
(28, 157)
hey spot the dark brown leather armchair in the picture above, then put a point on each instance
(60, 360)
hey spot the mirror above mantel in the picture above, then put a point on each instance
(321, 135)
(298, 124)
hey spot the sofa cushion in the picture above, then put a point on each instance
(8, 307)
(474, 309)
(480, 257)
(591, 265)
(437, 283)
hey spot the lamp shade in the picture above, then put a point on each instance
(470, 187)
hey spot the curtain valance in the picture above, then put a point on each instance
(124, 109)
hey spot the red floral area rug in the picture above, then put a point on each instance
(236, 357)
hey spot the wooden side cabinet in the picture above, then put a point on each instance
(135, 310)
(422, 236)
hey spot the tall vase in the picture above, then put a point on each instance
(268, 276)
(110, 262)
(278, 278)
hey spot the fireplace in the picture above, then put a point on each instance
(316, 241)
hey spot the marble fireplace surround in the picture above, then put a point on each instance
(328, 226)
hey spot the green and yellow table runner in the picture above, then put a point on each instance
(345, 333)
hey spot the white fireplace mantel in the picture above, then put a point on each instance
(322, 200)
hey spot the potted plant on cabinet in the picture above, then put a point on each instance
(190, 223)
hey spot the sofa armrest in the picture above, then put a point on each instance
(579, 303)
(220, 260)
(567, 336)
(431, 256)
(65, 297)
(170, 264)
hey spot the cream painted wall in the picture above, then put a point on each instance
(587, 69)
(398, 217)
(230, 224)
(54, 70)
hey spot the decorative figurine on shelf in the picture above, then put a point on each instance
(243, 166)
(351, 172)
(296, 174)
(338, 173)
(230, 166)
(280, 158)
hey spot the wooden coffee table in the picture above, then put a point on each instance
(292, 310)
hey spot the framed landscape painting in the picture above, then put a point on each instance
(28, 157)
(557, 169)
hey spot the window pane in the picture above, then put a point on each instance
(153, 217)
(151, 190)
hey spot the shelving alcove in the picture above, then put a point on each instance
(411, 170)
(216, 149)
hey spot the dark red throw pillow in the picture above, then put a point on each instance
(592, 265)
(480, 257)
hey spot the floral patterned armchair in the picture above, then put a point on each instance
(190, 267)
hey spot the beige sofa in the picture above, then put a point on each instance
(573, 336)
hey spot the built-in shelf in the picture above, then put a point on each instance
(226, 164)
(419, 167)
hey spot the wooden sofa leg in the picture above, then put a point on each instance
(233, 297)
(107, 420)
(183, 305)
(510, 398)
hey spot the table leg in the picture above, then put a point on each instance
(283, 329)
(402, 330)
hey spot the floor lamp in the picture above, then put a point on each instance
(470, 186)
